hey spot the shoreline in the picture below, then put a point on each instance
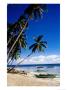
(20, 79)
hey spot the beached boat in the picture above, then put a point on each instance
(45, 76)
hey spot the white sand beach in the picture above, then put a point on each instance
(30, 80)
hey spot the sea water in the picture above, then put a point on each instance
(47, 68)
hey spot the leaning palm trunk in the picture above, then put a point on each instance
(9, 41)
(16, 40)
(10, 62)
(19, 62)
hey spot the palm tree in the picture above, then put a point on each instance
(39, 46)
(13, 28)
(15, 53)
(12, 33)
(33, 10)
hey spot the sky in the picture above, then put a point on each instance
(49, 26)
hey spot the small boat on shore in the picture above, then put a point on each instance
(45, 76)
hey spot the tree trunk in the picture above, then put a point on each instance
(19, 63)
(16, 40)
(9, 41)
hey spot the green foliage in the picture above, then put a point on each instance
(21, 43)
(39, 45)
(13, 31)
(35, 10)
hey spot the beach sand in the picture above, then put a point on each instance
(29, 80)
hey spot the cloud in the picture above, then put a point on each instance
(41, 59)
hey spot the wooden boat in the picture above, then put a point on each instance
(45, 76)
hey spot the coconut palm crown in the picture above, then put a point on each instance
(39, 45)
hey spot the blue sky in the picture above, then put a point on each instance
(49, 26)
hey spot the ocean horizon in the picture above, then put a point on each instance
(40, 68)
(28, 65)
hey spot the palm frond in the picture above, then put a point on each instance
(44, 45)
(38, 38)
(39, 45)
(35, 10)
(44, 42)
(32, 46)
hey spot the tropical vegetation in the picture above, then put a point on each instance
(16, 37)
